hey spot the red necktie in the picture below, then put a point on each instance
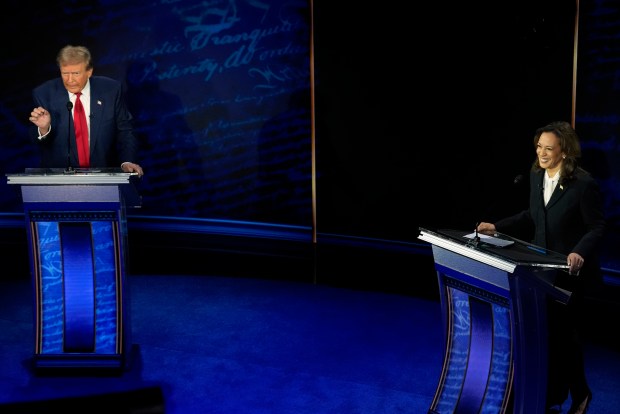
(81, 132)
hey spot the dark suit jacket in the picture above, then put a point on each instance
(572, 221)
(111, 132)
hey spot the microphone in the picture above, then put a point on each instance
(476, 237)
(69, 168)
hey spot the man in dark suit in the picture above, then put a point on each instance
(567, 216)
(111, 142)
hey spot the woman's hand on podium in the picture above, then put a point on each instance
(486, 228)
(574, 262)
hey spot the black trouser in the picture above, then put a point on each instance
(566, 361)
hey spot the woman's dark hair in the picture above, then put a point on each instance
(569, 144)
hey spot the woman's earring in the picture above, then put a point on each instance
(563, 157)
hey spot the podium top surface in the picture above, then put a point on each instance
(507, 256)
(82, 176)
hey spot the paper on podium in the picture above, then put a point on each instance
(495, 241)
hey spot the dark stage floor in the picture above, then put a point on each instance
(209, 344)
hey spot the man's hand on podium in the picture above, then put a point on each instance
(130, 167)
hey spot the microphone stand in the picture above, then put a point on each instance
(476, 237)
(69, 169)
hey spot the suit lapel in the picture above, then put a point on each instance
(540, 193)
(96, 108)
(557, 194)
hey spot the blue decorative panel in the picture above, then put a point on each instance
(477, 371)
(79, 291)
(65, 303)
(105, 241)
(500, 374)
(51, 312)
(458, 350)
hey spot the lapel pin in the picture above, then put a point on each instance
(98, 102)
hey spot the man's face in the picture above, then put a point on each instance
(75, 76)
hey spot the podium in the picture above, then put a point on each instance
(77, 237)
(494, 299)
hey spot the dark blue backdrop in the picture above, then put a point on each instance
(219, 91)
(413, 126)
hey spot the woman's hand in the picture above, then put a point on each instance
(486, 228)
(575, 263)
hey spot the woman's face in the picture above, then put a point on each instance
(549, 153)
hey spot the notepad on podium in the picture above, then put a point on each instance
(494, 241)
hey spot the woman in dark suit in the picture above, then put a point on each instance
(566, 215)
(111, 142)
